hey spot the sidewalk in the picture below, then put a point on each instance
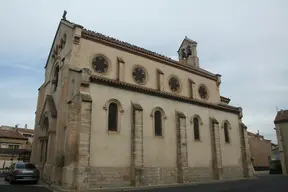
(56, 188)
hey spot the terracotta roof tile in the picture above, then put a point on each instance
(281, 117)
(25, 130)
(4, 133)
(98, 79)
(18, 128)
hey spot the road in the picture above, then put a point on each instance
(265, 183)
(6, 187)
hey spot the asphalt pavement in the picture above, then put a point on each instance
(264, 183)
(22, 187)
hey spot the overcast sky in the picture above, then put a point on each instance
(243, 40)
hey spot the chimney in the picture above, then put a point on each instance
(26, 126)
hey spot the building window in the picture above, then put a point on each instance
(113, 117)
(196, 128)
(139, 75)
(100, 64)
(203, 92)
(56, 78)
(174, 84)
(158, 123)
(13, 146)
(226, 133)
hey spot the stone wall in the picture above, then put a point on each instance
(159, 176)
(232, 172)
(105, 177)
(194, 174)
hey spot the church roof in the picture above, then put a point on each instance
(281, 117)
(111, 40)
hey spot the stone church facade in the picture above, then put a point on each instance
(111, 114)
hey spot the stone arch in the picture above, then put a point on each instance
(196, 126)
(228, 123)
(226, 130)
(158, 121)
(106, 105)
(158, 109)
(111, 125)
(198, 117)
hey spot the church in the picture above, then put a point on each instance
(112, 114)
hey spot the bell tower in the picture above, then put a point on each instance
(187, 53)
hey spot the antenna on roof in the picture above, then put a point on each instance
(64, 15)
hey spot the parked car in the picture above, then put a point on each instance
(22, 171)
(275, 167)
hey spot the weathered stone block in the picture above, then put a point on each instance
(230, 172)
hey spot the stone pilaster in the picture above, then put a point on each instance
(216, 150)
(137, 145)
(120, 69)
(181, 140)
(160, 80)
(191, 88)
(84, 131)
(242, 129)
(249, 165)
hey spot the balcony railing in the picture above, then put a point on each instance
(7, 151)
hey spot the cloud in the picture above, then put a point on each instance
(245, 41)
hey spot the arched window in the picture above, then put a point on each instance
(56, 78)
(226, 133)
(196, 128)
(158, 123)
(113, 117)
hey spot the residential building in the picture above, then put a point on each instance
(111, 114)
(12, 146)
(275, 152)
(281, 127)
(27, 133)
(261, 150)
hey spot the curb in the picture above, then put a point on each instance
(56, 188)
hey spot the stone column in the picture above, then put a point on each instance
(216, 150)
(181, 140)
(137, 145)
